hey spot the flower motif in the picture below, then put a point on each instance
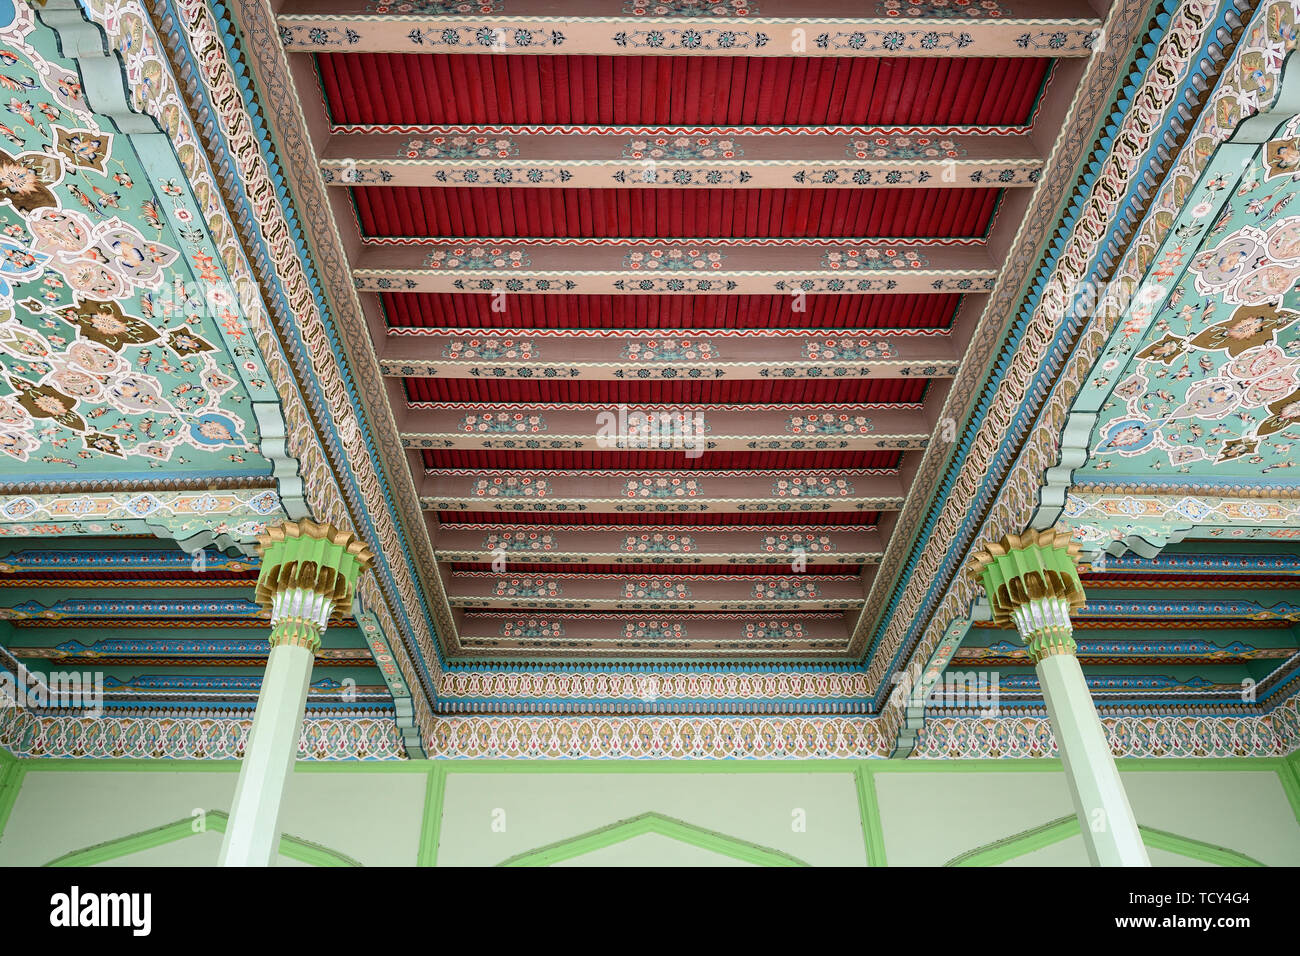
(213, 429)
(874, 259)
(772, 630)
(670, 350)
(656, 588)
(829, 423)
(25, 180)
(18, 264)
(82, 147)
(519, 541)
(106, 323)
(797, 541)
(184, 342)
(511, 486)
(785, 589)
(664, 542)
(107, 444)
(499, 422)
(527, 587)
(44, 401)
(532, 627)
(812, 486)
(848, 350)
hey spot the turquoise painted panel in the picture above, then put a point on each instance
(123, 350)
(1210, 387)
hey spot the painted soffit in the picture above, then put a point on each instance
(1014, 434)
(260, 246)
(127, 375)
(132, 358)
(1188, 424)
(124, 356)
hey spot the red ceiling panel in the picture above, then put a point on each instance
(451, 518)
(456, 310)
(614, 392)
(482, 89)
(660, 460)
(485, 90)
(672, 213)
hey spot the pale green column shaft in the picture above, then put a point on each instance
(1032, 579)
(253, 831)
(309, 573)
(1110, 831)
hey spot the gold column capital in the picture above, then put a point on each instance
(309, 572)
(1033, 579)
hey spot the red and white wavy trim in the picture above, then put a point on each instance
(711, 475)
(636, 242)
(663, 333)
(640, 407)
(562, 130)
(1042, 94)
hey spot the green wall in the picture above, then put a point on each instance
(1226, 804)
(490, 817)
(646, 813)
(371, 817)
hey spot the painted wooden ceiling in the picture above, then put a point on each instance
(1202, 623)
(166, 630)
(801, 255)
(669, 232)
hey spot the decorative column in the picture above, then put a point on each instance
(309, 572)
(1032, 579)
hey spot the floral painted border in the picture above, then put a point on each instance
(25, 734)
(719, 738)
(964, 738)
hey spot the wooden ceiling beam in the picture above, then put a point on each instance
(695, 430)
(662, 492)
(669, 358)
(777, 545)
(754, 159)
(615, 633)
(647, 594)
(673, 268)
(831, 28)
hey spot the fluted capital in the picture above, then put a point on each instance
(1049, 640)
(309, 571)
(1032, 579)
